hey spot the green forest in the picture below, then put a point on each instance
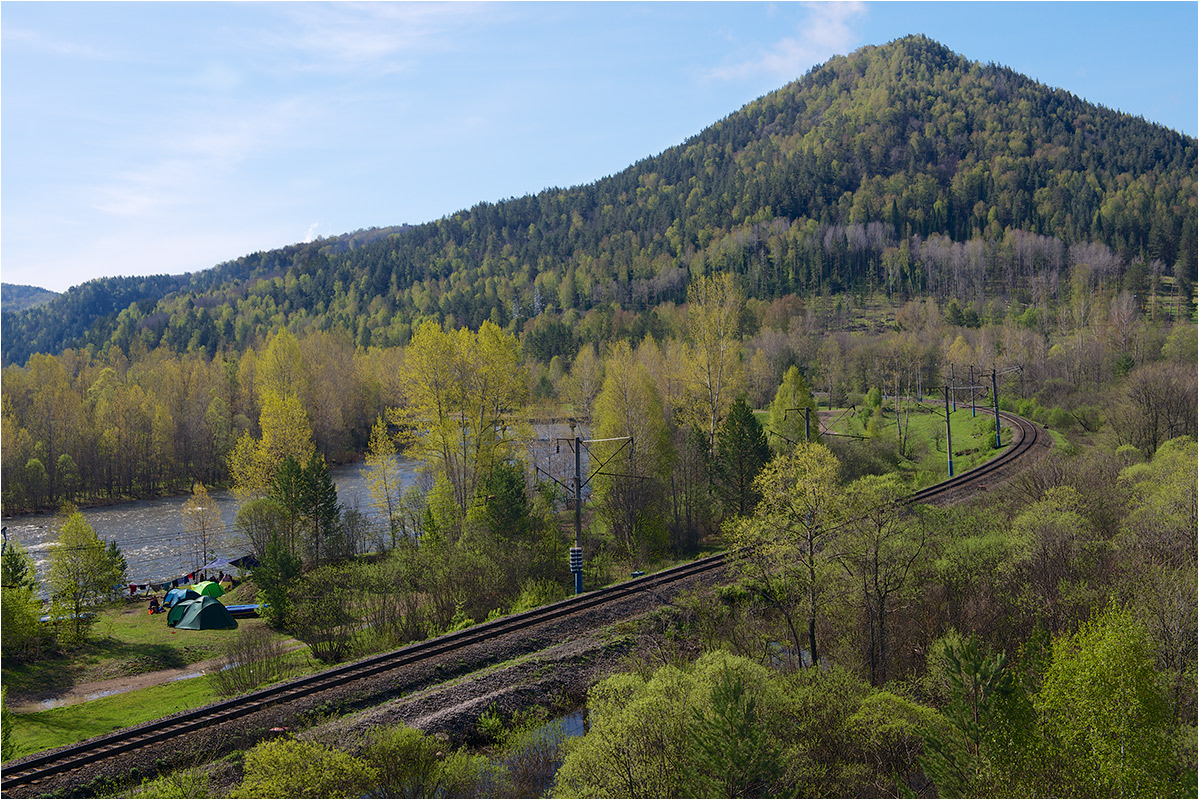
(892, 222)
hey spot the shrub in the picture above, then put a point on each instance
(24, 636)
(407, 761)
(537, 593)
(293, 768)
(183, 783)
(253, 658)
(322, 617)
(532, 756)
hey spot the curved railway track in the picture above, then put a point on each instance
(1025, 437)
(31, 771)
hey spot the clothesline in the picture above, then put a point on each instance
(240, 563)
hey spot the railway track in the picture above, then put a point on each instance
(1025, 437)
(26, 774)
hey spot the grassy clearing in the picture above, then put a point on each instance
(927, 462)
(55, 727)
(125, 640)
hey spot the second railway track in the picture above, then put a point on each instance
(29, 774)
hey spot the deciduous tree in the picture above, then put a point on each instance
(1104, 713)
(201, 523)
(715, 370)
(82, 571)
(462, 390)
(880, 549)
(791, 540)
(787, 420)
(383, 479)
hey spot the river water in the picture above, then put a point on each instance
(156, 549)
(150, 532)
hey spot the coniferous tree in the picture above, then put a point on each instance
(322, 513)
(741, 452)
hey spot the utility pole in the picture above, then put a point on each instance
(995, 399)
(953, 390)
(948, 434)
(972, 413)
(576, 552)
(807, 423)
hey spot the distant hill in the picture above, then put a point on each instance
(903, 168)
(14, 297)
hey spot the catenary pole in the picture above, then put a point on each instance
(578, 515)
(995, 398)
(948, 435)
(972, 411)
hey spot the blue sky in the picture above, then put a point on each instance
(148, 138)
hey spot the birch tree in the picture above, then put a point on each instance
(82, 571)
(717, 373)
(201, 522)
(382, 478)
(791, 540)
(462, 391)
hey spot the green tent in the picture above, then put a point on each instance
(209, 589)
(176, 612)
(201, 614)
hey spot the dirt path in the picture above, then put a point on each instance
(81, 693)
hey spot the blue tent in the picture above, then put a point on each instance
(179, 595)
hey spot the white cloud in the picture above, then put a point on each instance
(34, 40)
(343, 37)
(310, 236)
(827, 31)
(193, 160)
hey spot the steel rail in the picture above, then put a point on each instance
(34, 769)
(31, 770)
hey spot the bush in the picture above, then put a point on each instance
(253, 658)
(293, 768)
(322, 617)
(24, 637)
(532, 756)
(409, 763)
(1059, 419)
(537, 593)
(183, 783)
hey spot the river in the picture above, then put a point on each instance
(150, 532)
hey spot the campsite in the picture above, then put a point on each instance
(135, 668)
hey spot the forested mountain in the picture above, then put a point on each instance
(903, 169)
(14, 297)
(898, 223)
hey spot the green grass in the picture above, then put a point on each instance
(973, 440)
(125, 640)
(55, 727)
